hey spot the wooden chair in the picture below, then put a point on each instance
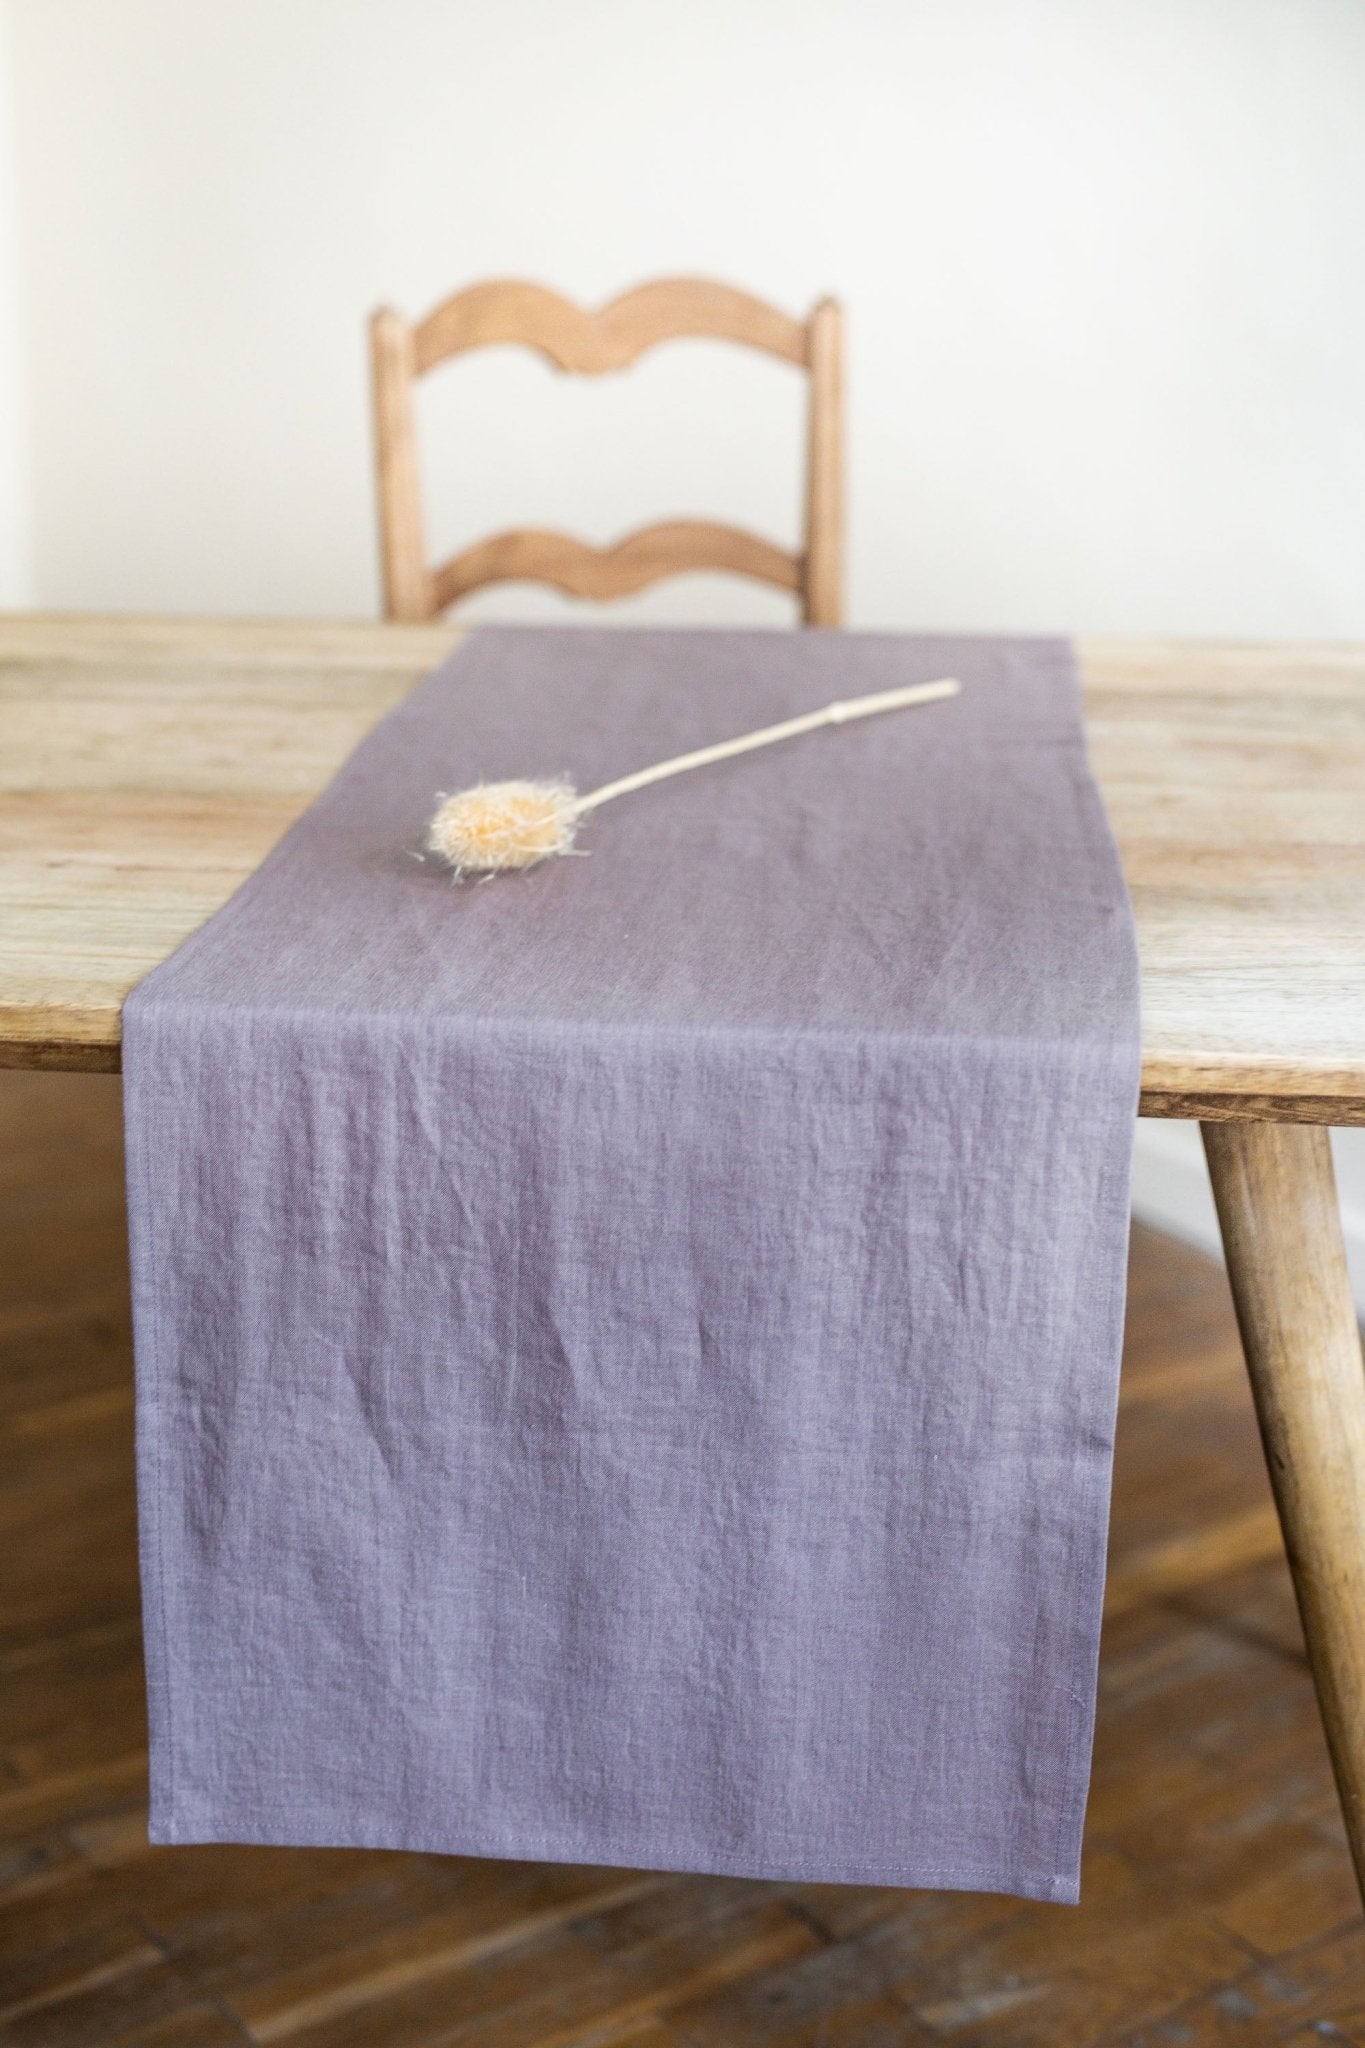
(591, 343)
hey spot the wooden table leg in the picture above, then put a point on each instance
(1277, 1205)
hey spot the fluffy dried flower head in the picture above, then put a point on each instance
(503, 825)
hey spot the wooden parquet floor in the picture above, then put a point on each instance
(1219, 1906)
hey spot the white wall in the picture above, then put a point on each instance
(1103, 260)
(14, 523)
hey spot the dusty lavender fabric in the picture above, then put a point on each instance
(627, 1353)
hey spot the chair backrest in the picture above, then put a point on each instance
(591, 343)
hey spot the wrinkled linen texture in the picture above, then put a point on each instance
(627, 1352)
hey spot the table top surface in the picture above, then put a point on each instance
(147, 765)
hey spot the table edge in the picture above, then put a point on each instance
(1197, 1091)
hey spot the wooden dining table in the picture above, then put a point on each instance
(147, 765)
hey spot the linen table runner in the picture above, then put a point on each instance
(627, 1352)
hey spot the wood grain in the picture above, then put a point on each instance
(511, 310)
(1277, 1208)
(1232, 1107)
(147, 765)
(1234, 779)
(1218, 1901)
(673, 548)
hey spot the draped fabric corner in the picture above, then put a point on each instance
(627, 1353)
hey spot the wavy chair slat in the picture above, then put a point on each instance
(594, 342)
(509, 310)
(676, 547)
